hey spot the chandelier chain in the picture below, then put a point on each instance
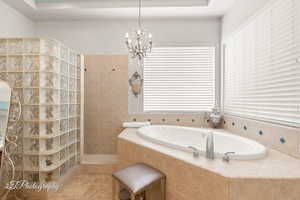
(140, 7)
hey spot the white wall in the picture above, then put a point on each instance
(107, 36)
(239, 13)
(13, 23)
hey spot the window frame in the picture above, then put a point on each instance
(217, 79)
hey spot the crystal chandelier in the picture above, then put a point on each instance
(139, 42)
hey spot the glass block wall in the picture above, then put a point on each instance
(45, 75)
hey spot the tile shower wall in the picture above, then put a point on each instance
(45, 76)
(106, 104)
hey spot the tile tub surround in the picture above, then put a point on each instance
(275, 177)
(106, 104)
(282, 138)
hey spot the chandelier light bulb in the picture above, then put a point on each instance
(127, 35)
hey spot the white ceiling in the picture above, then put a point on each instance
(45, 10)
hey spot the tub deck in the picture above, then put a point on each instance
(275, 177)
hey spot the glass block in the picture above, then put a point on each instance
(72, 123)
(31, 129)
(31, 79)
(17, 159)
(16, 129)
(78, 134)
(49, 96)
(15, 79)
(14, 63)
(72, 149)
(31, 63)
(78, 110)
(17, 95)
(64, 82)
(78, 97)
(3, 46)
(16, 150)
(31, 162)
(49, 128)
(32, 46)
(49, 161)
(72, 97)
(49, 113)
(72, 136)
(19, 175)
(64, 68)
(31, 177)
(72, 161)
(3, 76)
(31, 145)
(31, 112)
(31, 96)
(3, 63)
(49, 47)
(72, 110)
(78, 158)
(64, 96)
(49, 64)
(51, 176)
(72, 70)
(64, 168)
(78, 85)
(64, 53)
(49, 144)
(14, 113)
(72, 84)
(15, 46)
(78, 121)
(73, 58)
(78, 71)
(64, 125)
(64, 111)
(49, 80)
(64, 154)
(64, 139)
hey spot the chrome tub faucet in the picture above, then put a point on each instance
(195, 151)
(210, 151)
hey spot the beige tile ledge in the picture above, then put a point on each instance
(275, 165)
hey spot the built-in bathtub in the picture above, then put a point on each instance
(273, 177)
(182, 138)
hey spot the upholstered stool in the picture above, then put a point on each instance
(137, 179)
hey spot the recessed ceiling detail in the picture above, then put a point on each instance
(45, 10)
(128, 3)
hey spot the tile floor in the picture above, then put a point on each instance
(88, 182)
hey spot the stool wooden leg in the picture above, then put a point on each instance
(116, 190)
(163, 188)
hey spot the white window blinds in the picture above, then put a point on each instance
(262, 66)
(179, 79)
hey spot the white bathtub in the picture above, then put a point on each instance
(181, 138)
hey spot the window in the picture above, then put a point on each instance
(179, 79)
(262, 66)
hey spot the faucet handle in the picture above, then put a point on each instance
(196, 152)
(226, 157)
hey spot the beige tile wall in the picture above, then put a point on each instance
(106, 107)
(270, 135)
(106, 104)
(186, 181)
